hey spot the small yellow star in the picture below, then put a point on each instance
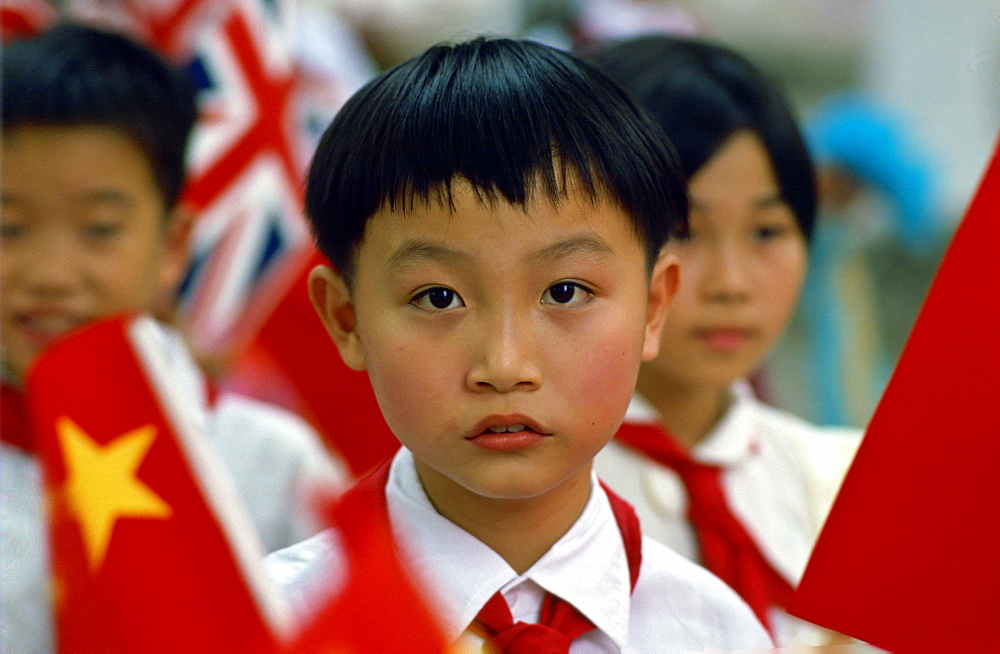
(102, 485)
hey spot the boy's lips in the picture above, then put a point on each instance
(505, 433)
(42, 327)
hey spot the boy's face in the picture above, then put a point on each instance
(84, 235)
(502, 345)
(741, 273)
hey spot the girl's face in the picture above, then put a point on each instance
(741, 272)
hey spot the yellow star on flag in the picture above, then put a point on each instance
(102, 485)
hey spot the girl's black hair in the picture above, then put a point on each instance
(75, 75)
(701, 93)
(512, 117)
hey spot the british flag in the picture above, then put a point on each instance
(245, 177)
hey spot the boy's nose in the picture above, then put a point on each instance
(47, 270)
(504, 361)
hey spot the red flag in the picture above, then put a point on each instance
(293, 362)
(378, 607)
(151, 550)
(909, 558)
(20, 18)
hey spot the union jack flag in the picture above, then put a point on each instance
(245, 176)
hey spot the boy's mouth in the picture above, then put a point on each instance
(507, 433)
(43, 327)
(506, 441)
(511, 428)
(508, 423)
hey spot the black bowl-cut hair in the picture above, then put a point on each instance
(701, 93)
(74, 75)
(511, 117)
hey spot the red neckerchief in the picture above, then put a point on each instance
(727, 548)
(561, 617)
(15, 420)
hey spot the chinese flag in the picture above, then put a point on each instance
(151, 551)
(909, 558)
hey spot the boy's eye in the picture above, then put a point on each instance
(102, 230)
(566, 293)
(438, 298)
(11, 230)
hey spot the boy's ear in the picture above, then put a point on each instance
(176, 254)
(662, 289)
(332, 301)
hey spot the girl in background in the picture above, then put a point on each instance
(723, 478)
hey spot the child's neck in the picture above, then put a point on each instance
(522, 530)
(689, 412)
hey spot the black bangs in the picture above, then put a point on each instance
(512, 118)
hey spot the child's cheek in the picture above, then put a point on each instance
(411, 392)
(607, 379)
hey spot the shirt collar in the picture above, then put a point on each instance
(467, 572)
(732, 440)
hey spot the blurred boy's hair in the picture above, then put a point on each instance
(74, 75)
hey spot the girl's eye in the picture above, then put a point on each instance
(438, 298)
(768, 232)
(566, 294)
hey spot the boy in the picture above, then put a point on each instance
(95, 129)
(494, 213)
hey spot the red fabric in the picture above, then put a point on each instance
(15, 422)
(726, 547)
(559, 621)
(908, 558)
(631, 531)
(22, 18)
(292, 357)
(379, 609)
(153, 574)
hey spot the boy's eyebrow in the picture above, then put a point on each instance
(414, 250)
(584, 244)
(107, 195)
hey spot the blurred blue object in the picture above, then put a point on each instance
(873, 145)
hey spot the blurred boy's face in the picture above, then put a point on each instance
(502, 345)
(84, 235)
(741, 273)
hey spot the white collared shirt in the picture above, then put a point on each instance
(676, 606)
(781, 475)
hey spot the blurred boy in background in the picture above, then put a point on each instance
(95, 132)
